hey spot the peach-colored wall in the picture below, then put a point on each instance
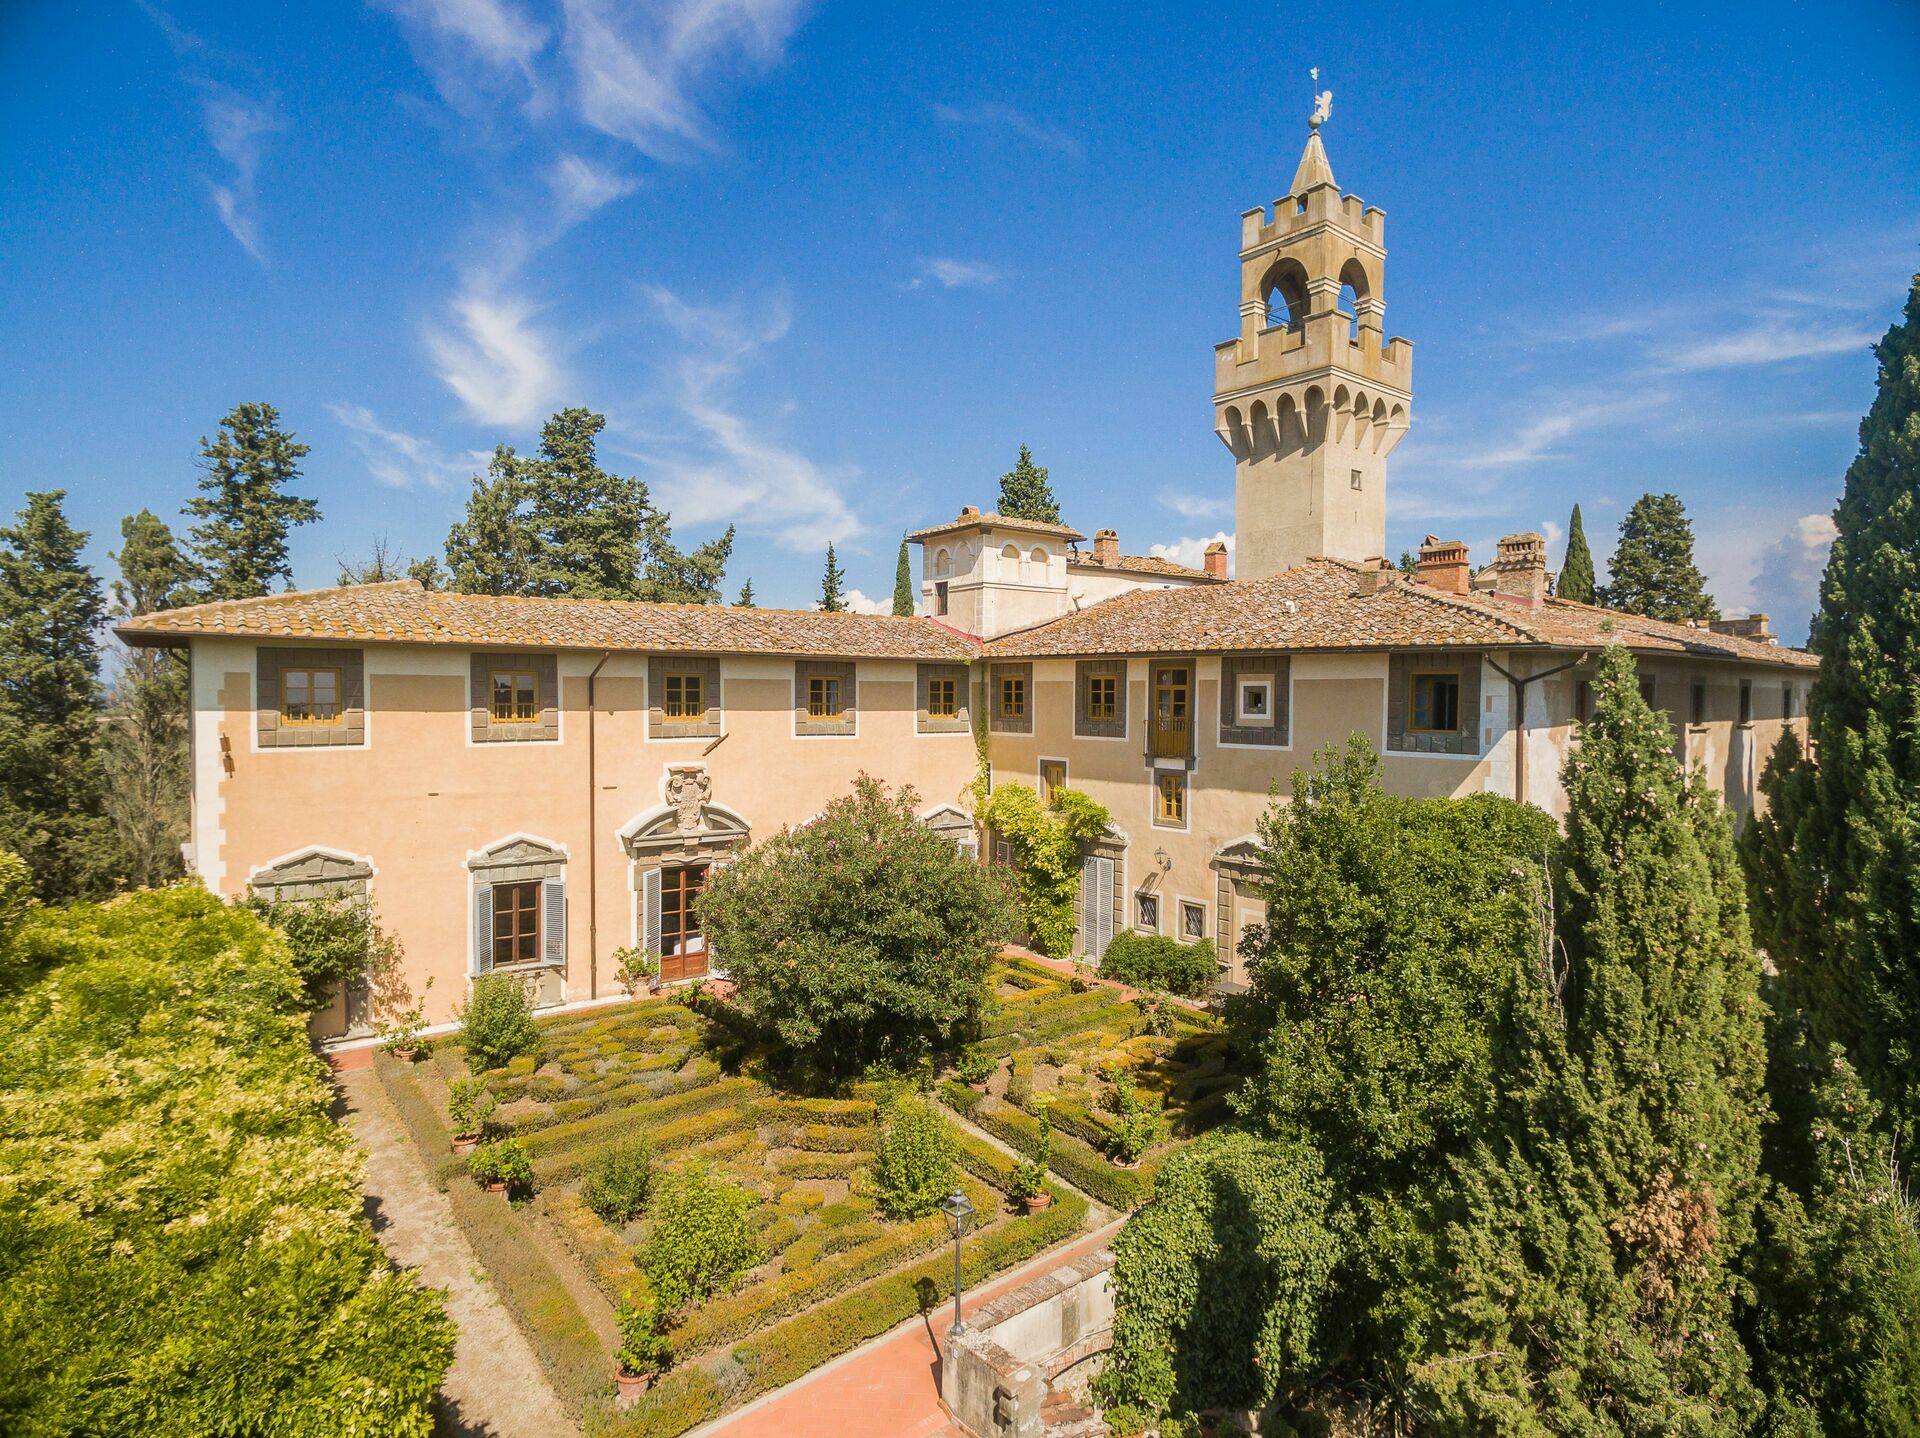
(419, 799)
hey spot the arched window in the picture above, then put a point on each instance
(942, 565)
(1038, 559)
(1284, 288)
(1010, 562)
(1353, 289)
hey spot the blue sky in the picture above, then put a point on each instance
(826, 266)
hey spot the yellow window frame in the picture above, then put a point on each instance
(1170, 799)
(1413, 690)
(1053, 776)
(1013, 696)
(683, 696)
(310, 719)
(824, 700)
(513, 676)
(1103, 696)
(943, 699)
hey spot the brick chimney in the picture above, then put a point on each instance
(1443, 565)
(1753, 626)
(1215, 562)
(1520, 570)
(1106, 548)
(1374, 576)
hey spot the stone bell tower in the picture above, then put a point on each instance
(1311, 398)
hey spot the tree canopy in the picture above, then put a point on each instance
(1576, 571)
(1025, 492)
(903, 584)
(246, 505)
(1652, 571)
(146, 735)
(833, 598)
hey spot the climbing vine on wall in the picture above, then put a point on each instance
(1045, 840)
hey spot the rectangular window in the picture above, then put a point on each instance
(1193, 921)
(1786, 701)
(943, 699)
(516, 696)
(1170, 799)
(823, 697)
(1746, 701)
(516, 923)
(1013, 696)
(1354, 482)
(1172, 723)
(1698, 704)
(1146, 912)
(1103, 696)
(1256, 702)
(1583, 700)
(1647, 691)
(310, 696)
(685, 697)
(1434, 703)
(940, 596)
(1053, 775)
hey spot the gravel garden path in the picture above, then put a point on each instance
(495, 1388)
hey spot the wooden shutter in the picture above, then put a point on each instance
(553, 922)
(650, 909)
(482, 928)
(1102, 899)
(1089, 882)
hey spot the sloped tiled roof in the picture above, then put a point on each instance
(401, 612)
(1318, 605)
(973, 519)
(1140, 564)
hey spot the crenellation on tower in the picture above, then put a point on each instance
(1313, 395)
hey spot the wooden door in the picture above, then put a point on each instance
(683, 943)
(1172, 711)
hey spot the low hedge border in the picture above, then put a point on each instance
(1072, 1159)
(560, 1140)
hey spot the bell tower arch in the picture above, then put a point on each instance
(1311, 397)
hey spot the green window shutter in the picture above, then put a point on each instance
(482, 928)
(553, 922)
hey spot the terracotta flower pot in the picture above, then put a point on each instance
(631, 1385)
(980, 1087)
(1129, 1167)
(406, 1055)
(1035, 1202)
(496, 1185)
(465, 1142)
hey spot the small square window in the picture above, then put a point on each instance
(1193, 920)
(1053, 777)
(310, 696)
(516, 696)
(1434, 704)
(1354, 480)
(1256, 703)
(943, 699)
(1170, 800)
(1013, 696)
(1146, 912)
(823, 697)
(685, 697)
(1103, 696)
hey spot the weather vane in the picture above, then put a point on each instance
(1322, 102)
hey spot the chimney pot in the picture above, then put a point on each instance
(1520, 570)
(1752, 626)
(1374, 576)
(969, 511)
(1443, 565)
(1106, 548)
(1215, 562)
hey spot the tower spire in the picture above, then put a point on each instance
(1314, 168)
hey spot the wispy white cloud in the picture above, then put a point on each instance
(402, 460)
(1764, 345)
(994, 115)
(726, 466)
(1193, 552)
(581, 187)
(473, 50)
(1195, 506)
(858, 603)
(503, 367)
(1554, 419)
(956, 275)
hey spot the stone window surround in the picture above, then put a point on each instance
(1463, 742)
(349, 733)
(521, 858)
(958, 723)
(1085, 727)
(847, 722)
(707, 666)
(1277, 733)
(1161, 773)
(488, 730)
(1004, 723)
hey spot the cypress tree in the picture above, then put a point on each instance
(1652, 571)
(52, 782)
(903, 584)
(832, 597)
(245, 504)
(1576, 571)
(146, 735)
(745, 601)
(1835, 861)
(1025, 493)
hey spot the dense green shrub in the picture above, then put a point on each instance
(1154, 961)
(498, 1022)
(1045, 841)
(332, 939)
(1219, 1280)
(863, 936)
(182, 1247)
(643, 1345)
(701, 1240)
(615, 1182)
(502, 1160)
(470, 1106)
(913, 1168)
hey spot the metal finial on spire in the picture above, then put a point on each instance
(1322, 102)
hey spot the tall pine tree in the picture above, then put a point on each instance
(1576, 571)
(146, 734)
(245, 504)
(52, 781)
(903, 584)
(559, 524)
(832, 585)
(1835, 861)
(745, 601)
(1652, 571)
(1025, 493)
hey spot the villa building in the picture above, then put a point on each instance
(534, 784)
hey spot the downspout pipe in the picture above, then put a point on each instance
(593, 837)
(1519, 724)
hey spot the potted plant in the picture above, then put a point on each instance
(470, 1109)
(1134, 1124)
(502, 1165)
(975, 1068)
(400, 1035)
(638, 968)
(643, 1350)
(1028, 1185)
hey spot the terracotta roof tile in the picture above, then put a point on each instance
(973, 519)
(401, 612)
(1140, 564)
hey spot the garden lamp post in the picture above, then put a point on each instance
(958, 1211)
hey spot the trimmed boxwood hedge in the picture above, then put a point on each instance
(1072, 1159)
